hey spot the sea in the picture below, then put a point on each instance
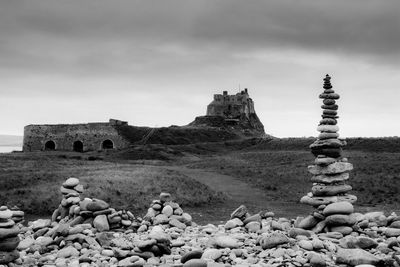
(8, 149)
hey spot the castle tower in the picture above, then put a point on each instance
(329, 193)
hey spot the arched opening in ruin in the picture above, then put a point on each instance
(50, 145)
(107, 144)
(78, 146)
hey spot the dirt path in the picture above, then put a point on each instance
(238, 193)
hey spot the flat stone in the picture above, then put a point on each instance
(392, 232)
(343, 207)
(333, 143)
(330, 190)
(44, 241)
(328, 121)
(329, 179)
(7, 223)
(101, 223)
(329, 112)
(96, 205)
(323, 136)
(226, 242)
(329, 101)
(344, 230)
(71, 182)
(253, 218)
(329, 96)
(5, 214)
(194, 254)
(334, 168)
(355, 256)
(233, 223)
(328, 128)
(9, 243)
(211, 254)
(317, 201)
(327, 151)
(331, 107)
(306, 244)
(308, 222)
(340, 219)
(395, 224)
(9, 232)
(195, 263)
(67, 252)
(321, 160)
(176, 223)
(273, 240)
(293, 232)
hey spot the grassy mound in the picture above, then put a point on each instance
(32, 181)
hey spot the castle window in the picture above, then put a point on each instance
(78, 146)
(107, 144)
(50, 145)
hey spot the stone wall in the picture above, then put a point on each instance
(70, 137)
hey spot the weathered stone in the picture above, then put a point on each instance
(306, 244)
(9, 232)
(252, 218)
(44, 241)
(308, 222)
(342, 207)
(330, 190)
(328, 128)
(328, 121)
(329, 179)
(317, 201)
(9, 243)
(160, 219)
(211, 254)
(40, 223)
(194, 254)
(325, 135)
(321, 160)
(97, 204)
(273, 240)
(165, 197)
(253, 227)
(176, 223)
(71, 182)
(299, 231)
(340, 219)
(334, 168)
(226, 242)
(390, 232)
(195, 263)
(329, 96)
(101, 223)
(355, 257)
(240, 212)
(344, 230)
(233, 223)
(167, 210)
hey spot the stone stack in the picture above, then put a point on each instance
(73, 210)
(69, 207)
(9, 239)
(252, 223)
(18, 216)
(164, 211)
(329, 193)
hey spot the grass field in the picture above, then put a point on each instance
(277, 167)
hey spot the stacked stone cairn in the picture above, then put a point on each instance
(9, 239)
(164, 211)
(242, 217)
(329, 193)
(97, 212)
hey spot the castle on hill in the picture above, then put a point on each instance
(231, 106)
(228, 117)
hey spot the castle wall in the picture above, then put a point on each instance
(92, 136)
(231, 106)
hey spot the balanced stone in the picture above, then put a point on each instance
(329, 101)
(328, 128)
(329, 112)
(330, 107)
(328, 121)
(329, 179)
(321, 160)
(329, 96)
(343, 207)
(334, 168)
(323, 136)
(330, 190)
(71, 182)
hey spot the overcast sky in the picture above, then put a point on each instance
(158, 63)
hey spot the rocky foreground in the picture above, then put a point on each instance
(244, 240)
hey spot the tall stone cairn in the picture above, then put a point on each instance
(329, 193)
